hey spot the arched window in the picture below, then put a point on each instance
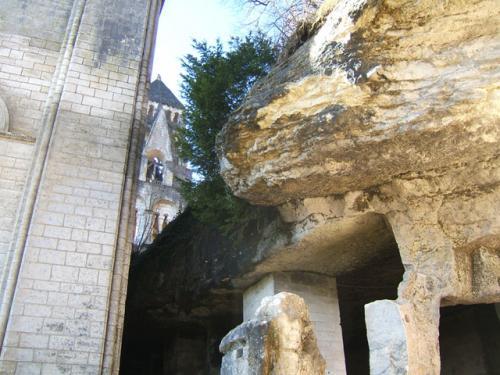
(166, 211)
(154, 171)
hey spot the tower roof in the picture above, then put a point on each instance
(160, 93)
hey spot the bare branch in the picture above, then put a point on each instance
(280, 18)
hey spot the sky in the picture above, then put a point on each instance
(181, 21)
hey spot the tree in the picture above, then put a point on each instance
(280, 18)
(214, 85)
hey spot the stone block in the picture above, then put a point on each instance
(279, 340)
(387, 338)
(320, 294)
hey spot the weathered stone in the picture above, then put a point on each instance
(4, 117)
(74, 75)
(320, 294)
(280, 340)
(386, 334)
(388, 113)
(382, 89)
(486, 272)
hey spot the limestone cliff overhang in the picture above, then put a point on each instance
(382, 89)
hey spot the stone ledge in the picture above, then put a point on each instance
(17, 137)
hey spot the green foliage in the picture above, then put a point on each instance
(212, 203)
(214, 85)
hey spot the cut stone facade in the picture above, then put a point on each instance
(73, 76)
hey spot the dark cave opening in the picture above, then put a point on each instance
(180, 348)
(374, 281)
(469, 339)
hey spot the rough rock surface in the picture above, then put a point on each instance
(447, 230)
(189, 268)
(279, 341)
(386, 334)
(389, 113)
(382, 89)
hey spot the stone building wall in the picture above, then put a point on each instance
(15, 160)
(30, 45)
(73, 76)
(27, 68)
(28, 58)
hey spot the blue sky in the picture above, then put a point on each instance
(183, 20)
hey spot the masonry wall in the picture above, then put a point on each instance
(15, 160)
(320, 294)
(254, 295)
(29, 50)
(31, 34)
(73, 75)
(26, 69)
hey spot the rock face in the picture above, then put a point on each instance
(188, 270)
(388, 114)
(280, 340)
(382, 89)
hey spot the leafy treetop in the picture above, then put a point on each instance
(214, 85)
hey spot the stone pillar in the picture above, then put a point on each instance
(404, 335)
(320, 294)
(449, 259)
